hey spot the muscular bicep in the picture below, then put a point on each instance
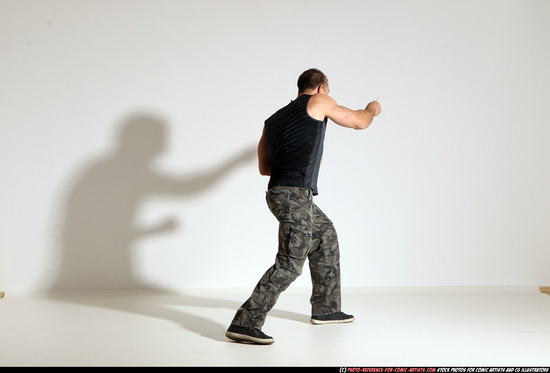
(345, 117)
(325, 106)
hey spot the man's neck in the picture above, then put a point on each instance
(310, 93)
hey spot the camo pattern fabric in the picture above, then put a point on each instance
(305, 232)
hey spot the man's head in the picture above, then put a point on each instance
(313, 80)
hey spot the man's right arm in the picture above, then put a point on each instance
(324, 106)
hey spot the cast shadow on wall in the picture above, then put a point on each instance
(98, 231)
(98, 227)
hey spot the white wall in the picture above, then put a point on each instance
(448, 187)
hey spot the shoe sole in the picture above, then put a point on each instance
(325, 322)
(246, 338)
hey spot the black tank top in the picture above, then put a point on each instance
(294, 142)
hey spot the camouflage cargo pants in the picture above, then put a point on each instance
(305, 233)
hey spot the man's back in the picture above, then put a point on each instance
(294, 141)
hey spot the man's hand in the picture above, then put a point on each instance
(375, 108)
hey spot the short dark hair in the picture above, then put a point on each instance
(311, 79)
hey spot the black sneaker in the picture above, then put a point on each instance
(334, 318)
(240, 334)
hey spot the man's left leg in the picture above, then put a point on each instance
(292, 208)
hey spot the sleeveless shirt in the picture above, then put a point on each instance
(294, 141)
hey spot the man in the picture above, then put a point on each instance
(290, 151)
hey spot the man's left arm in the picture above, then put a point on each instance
(264, 161)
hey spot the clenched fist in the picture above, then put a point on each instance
(374, 107)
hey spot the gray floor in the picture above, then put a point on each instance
(393, 327)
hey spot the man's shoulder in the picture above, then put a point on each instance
(321, 99)
(319, 105)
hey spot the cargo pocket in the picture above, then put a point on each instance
(278, 201)
(293, 248)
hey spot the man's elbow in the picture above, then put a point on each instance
(363, 122)
(265, 170)
(359, 120)
(363, 125)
